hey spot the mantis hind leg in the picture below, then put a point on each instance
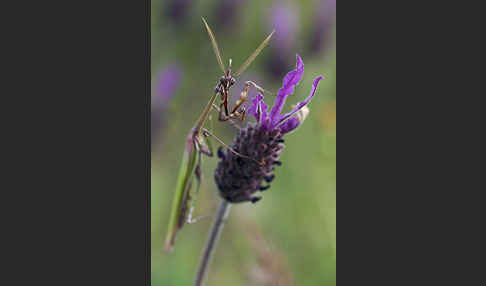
(198, 176)
(201, 149)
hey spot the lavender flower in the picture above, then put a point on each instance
(239, 178)
(166, 85)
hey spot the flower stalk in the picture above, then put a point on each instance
(219, 220)
(239, 178)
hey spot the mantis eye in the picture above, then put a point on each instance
(222, 79)
(233, 80)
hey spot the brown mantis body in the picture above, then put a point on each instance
(184, 199)
(228, 80)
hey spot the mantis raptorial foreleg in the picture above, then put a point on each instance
(238, 111)
(230, 120)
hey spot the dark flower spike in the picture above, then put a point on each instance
(263, 188)
(220, 153)
(269, 178)
(238, 178)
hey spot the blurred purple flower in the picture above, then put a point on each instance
(283, 19)
(227, 13)
(323, 22)
(165, 87)
(239, 178)
(177, 10)
(166, 84)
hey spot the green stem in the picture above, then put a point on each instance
(221, 216)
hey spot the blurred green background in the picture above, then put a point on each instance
(289, 237)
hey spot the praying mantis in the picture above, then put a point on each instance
(184, 200)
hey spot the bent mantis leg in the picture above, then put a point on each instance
(207, 150)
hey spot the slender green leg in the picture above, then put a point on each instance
(209, 152)
(198, 176)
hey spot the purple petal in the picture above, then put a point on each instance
(301, 104)
(289, 83)
(253, 108)
(289, 125)
(258, 109)
(264, 114)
